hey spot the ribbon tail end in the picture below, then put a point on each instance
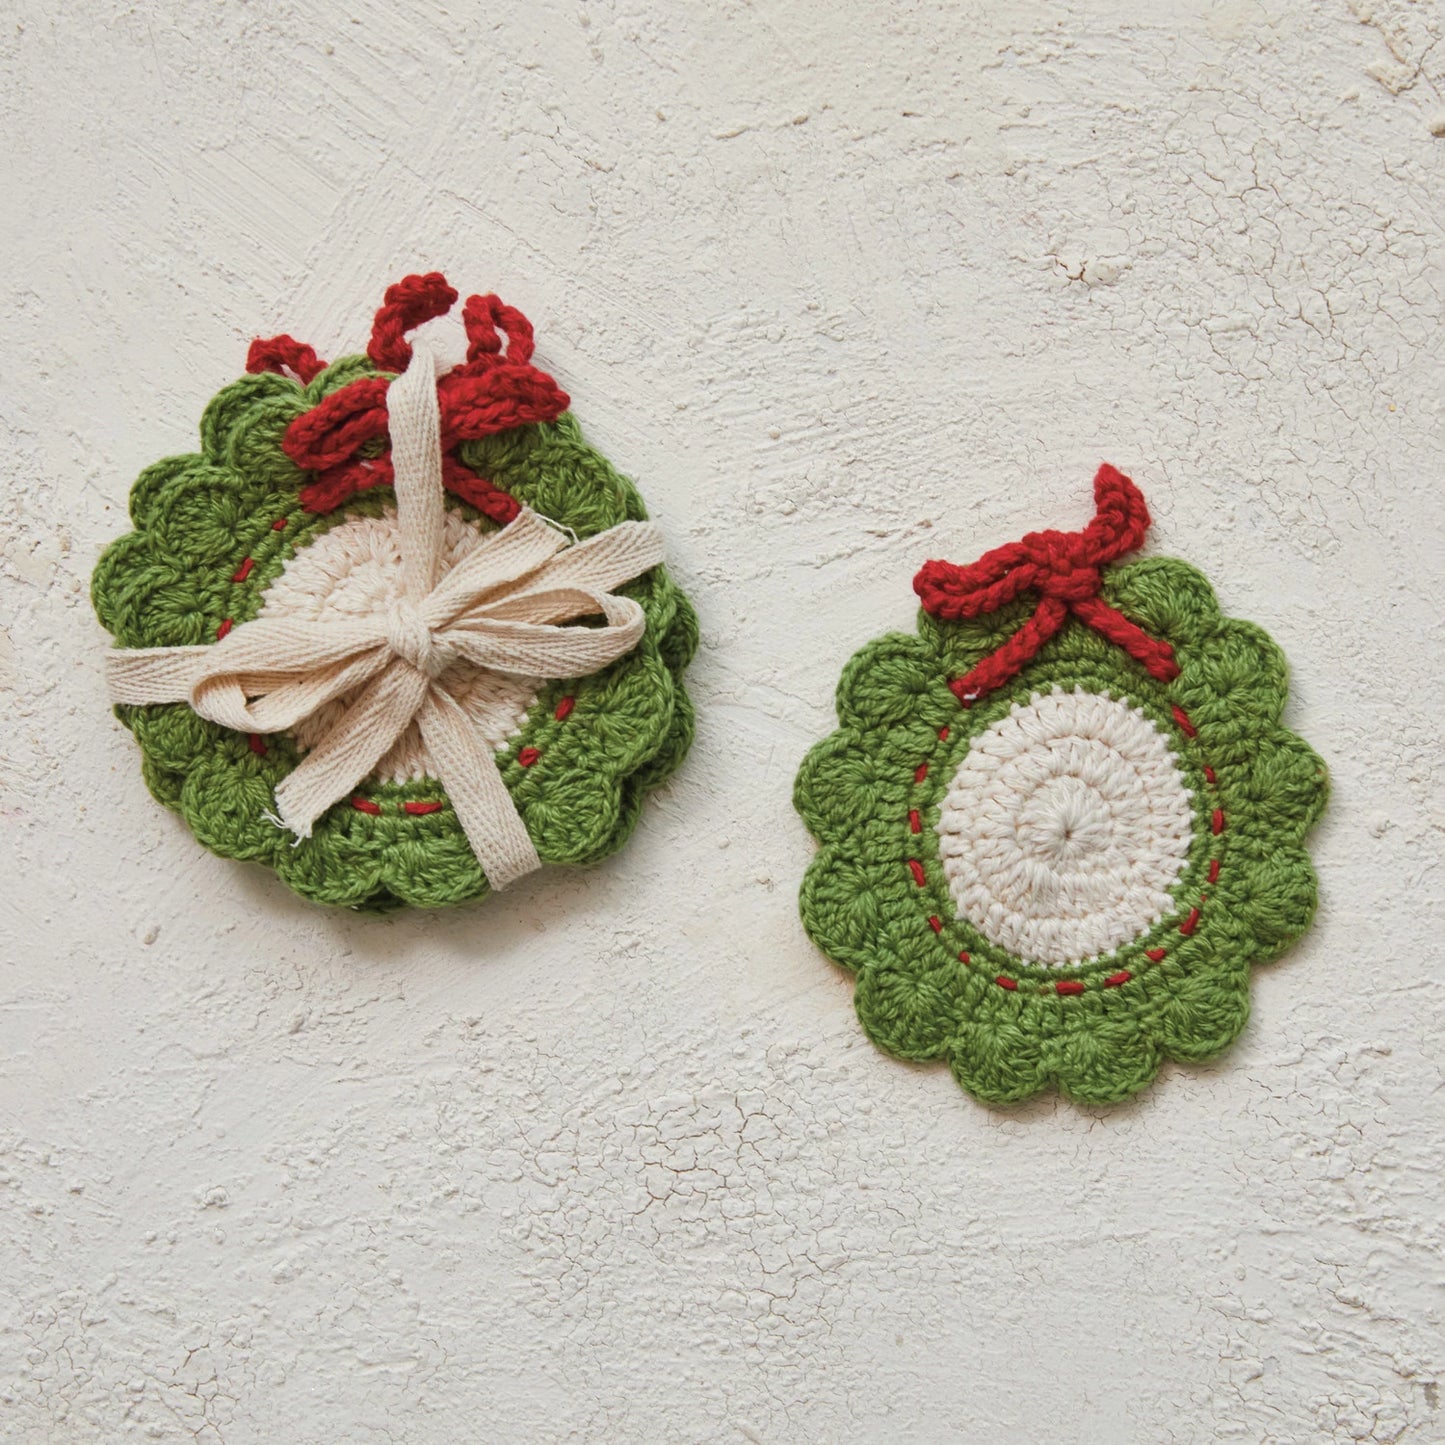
(300, 831)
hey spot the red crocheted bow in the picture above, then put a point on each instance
(1063, 569)
(341, 438)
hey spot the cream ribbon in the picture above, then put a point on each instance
(500, 609)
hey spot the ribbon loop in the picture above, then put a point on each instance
(513, 605)
(1065, 570)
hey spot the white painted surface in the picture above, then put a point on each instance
(843, 286)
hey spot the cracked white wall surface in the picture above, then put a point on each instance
(843, 286)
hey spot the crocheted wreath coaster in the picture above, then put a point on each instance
(365, 583)
(1060, 823)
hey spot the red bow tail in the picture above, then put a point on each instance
(1063, 568)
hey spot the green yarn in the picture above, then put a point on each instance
(929, 983)
(173, 581)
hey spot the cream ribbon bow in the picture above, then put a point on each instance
(500, 608)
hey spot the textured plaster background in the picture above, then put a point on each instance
(843, 286)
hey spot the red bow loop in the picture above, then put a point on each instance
(336, 427)
(483, 317)
(1065, 570)
(408, 304)
(506, 396)
(343, 439)
(280, 354)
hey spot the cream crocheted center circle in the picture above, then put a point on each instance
(1065, 827)
(353, 570)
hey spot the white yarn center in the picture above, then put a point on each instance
(1065, 827)
(353, 571)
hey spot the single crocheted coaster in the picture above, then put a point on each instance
(284, 527)
(1060, 823)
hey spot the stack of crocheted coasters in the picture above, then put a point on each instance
(287, 515)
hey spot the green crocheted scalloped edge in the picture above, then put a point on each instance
(929, 985)
(214, 528)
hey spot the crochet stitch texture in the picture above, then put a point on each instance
(287, 507)
(1060, 823)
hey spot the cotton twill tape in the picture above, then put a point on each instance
(353, 568)
(510, 606)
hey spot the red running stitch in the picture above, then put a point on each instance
(244, 570)
(526, 757)
(1154, 955)
(224, 628)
